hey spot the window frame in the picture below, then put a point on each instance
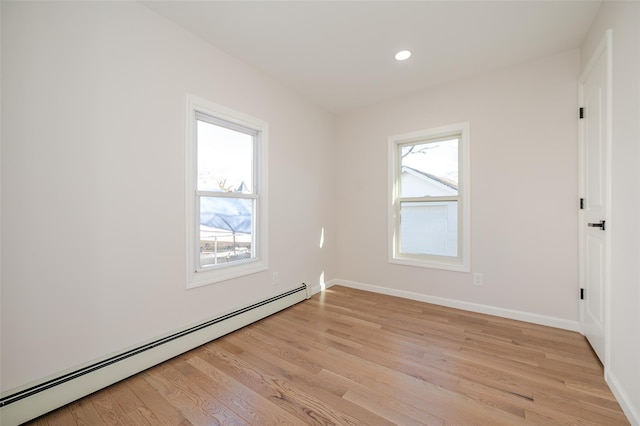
(462, 261)
(199, 109)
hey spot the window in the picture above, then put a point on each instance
(429, 198)
(226, 193)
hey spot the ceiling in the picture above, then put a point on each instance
(340, 54)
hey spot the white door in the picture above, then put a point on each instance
(595, 149)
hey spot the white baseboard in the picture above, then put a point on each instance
(626, 403)
(467, 306)
(21, 405)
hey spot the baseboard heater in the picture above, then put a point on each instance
(33, 401)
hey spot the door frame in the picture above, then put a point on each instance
(605, 47)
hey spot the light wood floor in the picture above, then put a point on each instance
(348, 357)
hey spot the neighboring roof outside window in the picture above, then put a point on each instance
(416, 183)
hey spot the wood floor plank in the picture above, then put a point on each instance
(312, 407)
(372, 375)
(198, 407)
(256, 409)
(108, 408)
(392, 407)
(350, 357)
(276, 365)
(61, 416)
(84, 413)
(268, 386)
(411, 368)
(129, 403)
(155, 408)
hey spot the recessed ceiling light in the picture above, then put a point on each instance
(403, 55)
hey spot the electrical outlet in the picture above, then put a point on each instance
(275, 278)
(477, 279)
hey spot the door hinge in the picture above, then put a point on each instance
(582, 294)
(581, 112)
(581, 203)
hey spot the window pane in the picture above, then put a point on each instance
(225, 159)
(226, 230)
(429, 228)
(430, 169)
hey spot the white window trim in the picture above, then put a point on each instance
(462, 262)
(194, 277)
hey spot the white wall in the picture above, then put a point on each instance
(93, 226)
(623, 369)
(523, 127)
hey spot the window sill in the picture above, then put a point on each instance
(214, 275)
(453, 265)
